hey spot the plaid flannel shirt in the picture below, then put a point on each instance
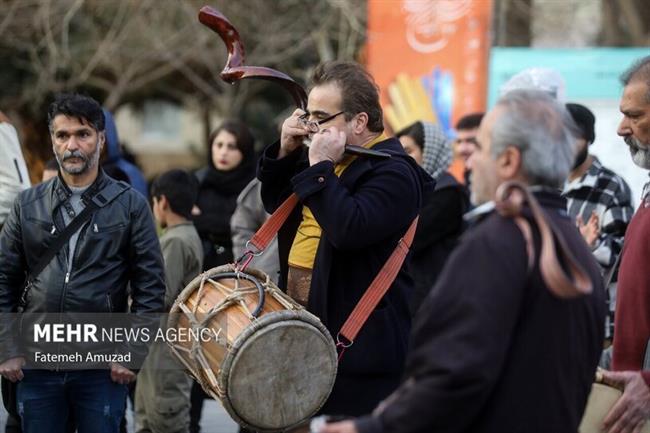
(606, 193)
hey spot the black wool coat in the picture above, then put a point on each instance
(217, 199)
(363, 214)
(439, 228)
(492, 349)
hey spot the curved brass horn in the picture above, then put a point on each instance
(235, 69)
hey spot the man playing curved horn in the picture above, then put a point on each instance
(354, 211)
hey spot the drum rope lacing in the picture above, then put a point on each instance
(235, 295)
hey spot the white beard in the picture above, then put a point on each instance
(640, 152)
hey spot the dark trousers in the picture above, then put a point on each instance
(131, 396)
(48, 399)
(196, 400)
(196, 406)
(13, 425)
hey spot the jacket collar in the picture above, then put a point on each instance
(547, 197)
(391, 146)
(589, 178)
(61, 191)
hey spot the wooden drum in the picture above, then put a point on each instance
(272, 364)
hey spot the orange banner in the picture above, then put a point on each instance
(429, 58)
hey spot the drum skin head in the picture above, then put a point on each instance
(283, 372)
(271, 372)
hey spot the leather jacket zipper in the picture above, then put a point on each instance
(70, 266)
(66, 280)
(65, 288)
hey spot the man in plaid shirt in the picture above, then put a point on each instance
(597, 198)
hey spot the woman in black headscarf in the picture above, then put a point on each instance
(231, 165)
(441, 216)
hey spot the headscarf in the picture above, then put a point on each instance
(436, 155)
(232, 181)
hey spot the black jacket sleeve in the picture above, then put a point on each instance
(147, 276)
(275, 174)
(147, 271)
(12, 279)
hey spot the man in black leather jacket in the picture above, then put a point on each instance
(115, 249)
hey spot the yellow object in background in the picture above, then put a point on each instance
(409, 103)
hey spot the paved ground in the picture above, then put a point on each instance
(215, 419)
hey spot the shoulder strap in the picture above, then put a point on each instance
(370, 298)
(99, 200)
(375, 292)
(62, 239)
(265, 234)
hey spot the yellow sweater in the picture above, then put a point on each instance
(305, 244)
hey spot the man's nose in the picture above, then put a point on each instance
(469, 162)
(73, 143)
(624, 128)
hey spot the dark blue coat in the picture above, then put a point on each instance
(363, 215)
(115, 159)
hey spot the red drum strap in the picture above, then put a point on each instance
(373, 294)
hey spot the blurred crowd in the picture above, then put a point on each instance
(496, 321)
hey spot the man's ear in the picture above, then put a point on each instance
(102, 139)
(360, 122)
(164, 203)
(509, 163)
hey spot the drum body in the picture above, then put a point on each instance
(272, 364)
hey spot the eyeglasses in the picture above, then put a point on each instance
(313, 126)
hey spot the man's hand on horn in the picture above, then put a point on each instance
(327, 145)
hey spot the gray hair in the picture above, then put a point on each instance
(640, 70)
(543, 131)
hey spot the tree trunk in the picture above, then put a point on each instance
(514, 26)
(625, 23)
